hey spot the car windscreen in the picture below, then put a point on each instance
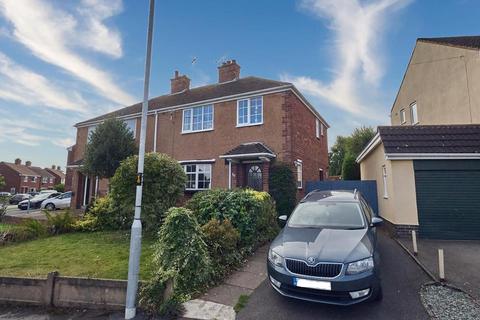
(335, 215)
(42, 196)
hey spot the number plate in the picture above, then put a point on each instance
(312, 284)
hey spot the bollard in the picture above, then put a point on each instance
(441, 265)
(414, 240)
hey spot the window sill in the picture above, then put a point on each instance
(249, 125)
(196, 131)
(385, 197)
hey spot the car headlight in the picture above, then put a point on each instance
(275, 258)
(360, 266)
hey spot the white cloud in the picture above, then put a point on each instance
(97, 35)
(25, 86)
(357, 29)
(50, 33)
(63, 142)
(18, 134)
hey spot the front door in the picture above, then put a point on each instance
(254, 177)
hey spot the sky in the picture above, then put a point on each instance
(62, 62)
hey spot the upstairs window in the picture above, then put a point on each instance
(403, 119)
(90, 130)
(44, 179)
(198, 119)
(299, 165)
(132, 126)
(25, 179)
(413, 113)
(199, 176)
(250, 111)
(34, 179)
(317, 128)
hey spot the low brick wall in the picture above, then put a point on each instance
(65, 292)
(399, 230)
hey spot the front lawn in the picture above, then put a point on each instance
(94, 255)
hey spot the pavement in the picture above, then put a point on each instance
(462, 259)
(401, 279)
(218, 302)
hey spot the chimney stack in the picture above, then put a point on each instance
(179, 83)
(53, 167)
(18, 161)
(28, 163)
(58, 168)
(228, 71)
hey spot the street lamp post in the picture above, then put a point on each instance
(136, 233)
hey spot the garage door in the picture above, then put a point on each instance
(448, 198)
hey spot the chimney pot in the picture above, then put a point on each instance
(18, 161)
(28, 163)
(179, 83)
(58, 168)
(53, 166)
(228, 71)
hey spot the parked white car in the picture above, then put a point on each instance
(60, 202)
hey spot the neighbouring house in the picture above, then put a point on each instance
(427, 164)
(225, 135)
(46, 181)
(19, 178)
(58, 174)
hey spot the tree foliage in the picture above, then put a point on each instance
(163, 184)
(283, 188)
(347, 148)
(2, 181)
(59, 187)
(109, 144)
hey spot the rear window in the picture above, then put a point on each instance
(335, 215)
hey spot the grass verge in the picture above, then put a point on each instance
(93, 255)
(241, 303)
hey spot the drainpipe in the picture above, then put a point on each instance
(155, 133)
(229, 173)
(96, 187)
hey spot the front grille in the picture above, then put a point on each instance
(325, 270)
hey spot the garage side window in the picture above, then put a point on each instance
(385, 189)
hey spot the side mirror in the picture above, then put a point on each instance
(376, 221)
(282, 220)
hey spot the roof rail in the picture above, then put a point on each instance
(355, 193)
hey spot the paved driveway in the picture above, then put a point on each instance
(401, 279)
(462, 259)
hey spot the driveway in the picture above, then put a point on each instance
(462, 259)
(13, 211)
(401, 280)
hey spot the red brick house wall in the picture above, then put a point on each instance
(12, 178)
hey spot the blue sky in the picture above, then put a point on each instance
(66, 61)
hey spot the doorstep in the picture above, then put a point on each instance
(218, 302)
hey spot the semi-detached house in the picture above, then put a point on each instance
(225, 135)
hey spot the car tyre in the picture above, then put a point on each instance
(50, 207)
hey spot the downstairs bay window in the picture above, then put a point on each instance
(199, 176)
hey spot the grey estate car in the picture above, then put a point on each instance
(327, 250)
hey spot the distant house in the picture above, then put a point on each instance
(225, 135)
(427, 164)
(19, 178)
(46, 181)
(58, 174)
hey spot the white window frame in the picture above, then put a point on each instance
(384, 176)
(321, 128)
(317, 128)
(134, 129)
(403, 116)
(50, 180)
(299, 166)
(44, 179)
(414, 113)
(25, 178)
(196, 175)
(248, 123)
(191, 119)
(34, 179)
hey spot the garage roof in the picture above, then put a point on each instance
(426, 141)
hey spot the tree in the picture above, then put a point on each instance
(347, 148)
(283, 188)
(2, 182)
(109, 144)
(163, 185)
(59, 187)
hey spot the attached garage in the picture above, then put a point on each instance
(448, 198)
(428, 178)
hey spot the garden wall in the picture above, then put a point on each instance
(65, 292)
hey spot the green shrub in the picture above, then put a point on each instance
(29, 229)
(60, 223)
(181, 256)
(164, 182)
(267, 225)
(59, 187)
(246, 209)
(282, 186)
(3, 205)
(222, 240)
(101, 215)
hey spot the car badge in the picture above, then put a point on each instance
(311, 260)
